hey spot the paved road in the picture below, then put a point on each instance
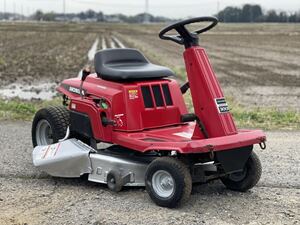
(28, 196)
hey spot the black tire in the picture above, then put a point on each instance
(247, 179)
(114, 181)
(57, 117)
(182, 181)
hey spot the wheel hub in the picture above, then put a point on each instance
(238, 176)
(163, 183)
(44, 135)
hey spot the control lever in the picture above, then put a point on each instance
(84, 74)
(192, 117)
(184, 88)
(107, 122)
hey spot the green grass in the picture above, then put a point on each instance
(259, 117)
(15, 109)
(264, 118)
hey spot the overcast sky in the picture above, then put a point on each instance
(169, 8)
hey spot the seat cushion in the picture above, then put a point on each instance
(127, 65)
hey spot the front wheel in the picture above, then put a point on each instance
(49, 125)
(168, 182)
(246, 179)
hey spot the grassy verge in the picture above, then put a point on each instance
(264, 118)
(260, 117)
(15, 109)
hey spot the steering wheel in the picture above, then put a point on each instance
(185, 37)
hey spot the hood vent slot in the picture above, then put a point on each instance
(157, 95)
(160, 94)
(167, 94)
(148, 102)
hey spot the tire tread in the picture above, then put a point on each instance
(251, 178)
(57, 116)
(183, 170)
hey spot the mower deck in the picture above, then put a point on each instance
(178, 138)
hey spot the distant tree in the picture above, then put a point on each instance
(247, 13)
(283, 17)
(294, 17)
(251, 13)
(230, 14)
(272, 16)
(38, 15)
(257, 13)
(254, 13)
(82, 15)
(90, 14)
(100, 16)
(49, 16)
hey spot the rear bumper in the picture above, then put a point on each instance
(185, 146)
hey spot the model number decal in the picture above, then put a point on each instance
(221, 105)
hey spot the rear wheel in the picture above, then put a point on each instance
(49, 125)
(168, 182)
(246, 179)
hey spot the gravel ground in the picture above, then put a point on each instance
(28, 196)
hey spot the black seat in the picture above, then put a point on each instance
(127, 65)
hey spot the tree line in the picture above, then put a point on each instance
(253, 13)
(246, 14)
(89, 16)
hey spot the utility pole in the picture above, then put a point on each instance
(64, 9)
(4, 9)
(14, 10)
(146, 16)
(218, 7)
(4, 6)
(22, 13)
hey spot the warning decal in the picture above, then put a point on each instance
(50, 151)
(133, 94)
(221, 105)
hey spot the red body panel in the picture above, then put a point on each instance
(178, 138)
(156, 127)
(124, 107)
(205, 88)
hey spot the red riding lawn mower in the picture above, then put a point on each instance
(128, 125)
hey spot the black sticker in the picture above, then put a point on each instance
(221, 105)
(72, 89)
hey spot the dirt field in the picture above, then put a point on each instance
(30, 197)
(257, 64)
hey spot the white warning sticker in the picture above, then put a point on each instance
(184, 134)
(50, 151)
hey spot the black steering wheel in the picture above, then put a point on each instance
(185, 37)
